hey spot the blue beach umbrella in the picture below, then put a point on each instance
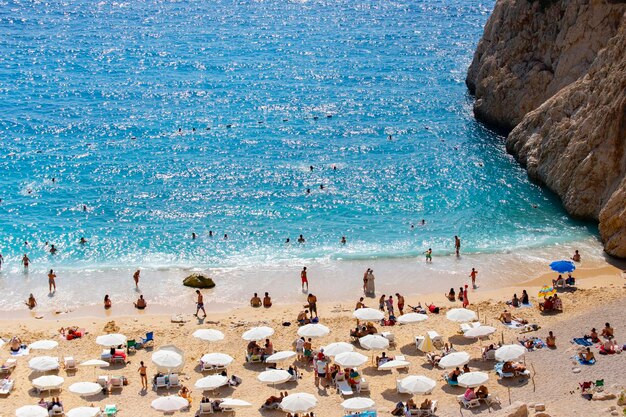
(563, 266)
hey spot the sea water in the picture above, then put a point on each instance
(135, 124)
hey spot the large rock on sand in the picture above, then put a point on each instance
(198, 281)
(554, 74)
(517, 409)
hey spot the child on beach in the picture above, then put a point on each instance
(473, 276)
(429, 255)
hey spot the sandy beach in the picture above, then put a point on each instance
(599, 298)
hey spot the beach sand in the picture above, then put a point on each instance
(599, 298)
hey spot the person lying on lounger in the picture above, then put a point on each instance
(512, 367)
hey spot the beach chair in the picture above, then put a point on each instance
(6, 386)
(207, 408)
(56, 411)
(598, 386)
(173, 381)
(131, 345)
(8, 366)
(389, 336)
(103, 380)
(468, 404)
(490, 355)
(363, 386)
(254, 358)
(344, 388)
(272, 406)
(106, 355)
(110, 410)
(491, 400)
(160, 382)
(69, 363)
(116, 383)
(436, 339)
(148, 339)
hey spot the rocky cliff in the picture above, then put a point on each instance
(553, 73)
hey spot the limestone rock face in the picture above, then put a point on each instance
(198, 281)
(558, 78)
(517, 409)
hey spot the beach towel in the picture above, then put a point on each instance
(584, 362)
(537, 343)
(21, 352)
(525, 305)
(514, 324)
(582, 341)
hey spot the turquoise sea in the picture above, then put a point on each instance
(165, 118)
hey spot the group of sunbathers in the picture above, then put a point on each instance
(70, 332)
(401, 408)
(254, 349)
(54, 404)
(256, 301)
(551, 303)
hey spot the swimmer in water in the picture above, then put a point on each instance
(389, 137)
(51, 283)
(288, 240)
(53, 250)
(225, 236)
(334, 167)
(321, 186)
(25, 261)
(429, 255)
(343, 240)
(193, 235)
(315, 117)
(136, 278)
(311, 167)
(308, 191)
(84, 207)
(301, 239)
(53, 179)
(210, 233)
(457, 245)
(83, 240)
(423, 222)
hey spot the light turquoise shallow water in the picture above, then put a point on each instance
(93, 94)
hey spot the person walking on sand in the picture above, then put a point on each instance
(304, 279)
(143, 374)
(457, 245)
(200, 304)
(429, 255)
(365, 281)
(400, 302)
(381, 303)
(465, 300)
(25, 261)
(473, 276)
(51, 283)
(136, 278)
(389, 304)
(312, 300)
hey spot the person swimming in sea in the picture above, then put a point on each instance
(343, 240)
(288, 240)
(311, 167)
(83, 240)
(193, 235)
(308, 191)
(429, 255)
(53, 250)
(301, 239)
(225, 236)
(210, 233)
(321, 186)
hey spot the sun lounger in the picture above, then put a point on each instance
(110, 410)
(436, 339)
(103, 380)
(466, 326)
(116, 383)
(56, 411)
(160, 382)
(502, 374)
(272, 406)
(8, 366)
(69, 363)
(6, 386)
(491, 400)
(207, 408)
(254, 358)
(418, 412)
(173, 381)
(344, 388)
(489, 355)
(389, 336)
(468, 404)
(131, 345)
(363, 386)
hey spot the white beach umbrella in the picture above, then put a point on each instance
(416, 384)
(208, 335)
(167, 360)
(394, 364)
(43, 345)
(472, 379)
(31, 411)
(258, 333)
(234, 403)
(170, 403)
(510, 352)
(85, 389)
(110, 340)
(358, 404)
(374, 342)
(43, 363)
(2, 342)
(336, 348)
(217, 359)
(211, 382)
(454, 359)
(274, 376)
(412, 318)
(83, 412)
(299, 402)
(280, 356)
(368, 314)
(480, 331)
(350, 359)
(96, 363)
(461, 315)
(313, 330)
(48, 382)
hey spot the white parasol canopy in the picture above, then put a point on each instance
(313, 330)
(258, 333)
(208, 335)
(211, 382)
(299, 402)
(454, 359)
(412, 318)
(111, 340)
(234, 403)
(31, 411)
(350, 359)
(94, 363)
(168, 359)
(43, 345)
(85, 389)
(48, 382)
(358, 404)
(336, 348)
(416, 384)
(280, 356)
(83, 412)
(43, 363)
(170, 403)
(472, 379)
(374, 342)
(461, 315)
(480, 331)
(393, 364)
(274, 376)
(217, 359)
(510, 352)
(368, 314)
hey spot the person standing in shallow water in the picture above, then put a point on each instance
(136, 278)
(429, 255)
(51, 283)
(457, 245)
(473, 276)
(304, 279)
